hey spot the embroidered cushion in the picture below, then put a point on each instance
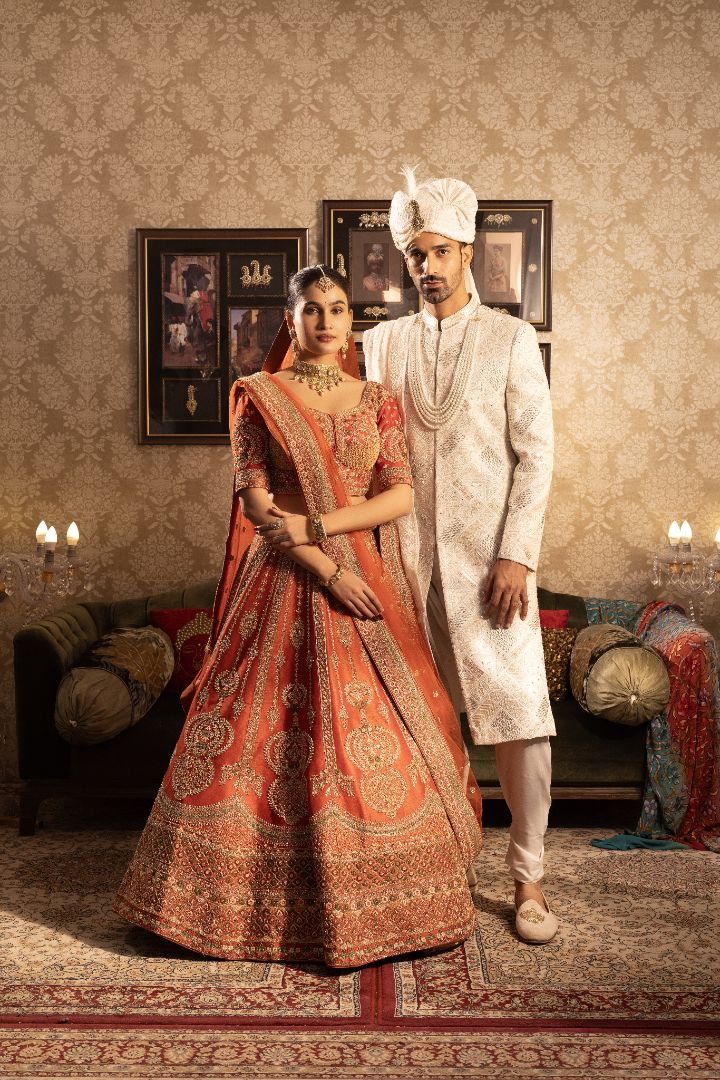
(558, 643)
(113, 684)
(188, 630)
(616, 676)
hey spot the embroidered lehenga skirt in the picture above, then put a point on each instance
(298, 819)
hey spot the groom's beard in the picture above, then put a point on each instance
(435, 289)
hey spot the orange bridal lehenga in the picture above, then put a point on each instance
(319, 805)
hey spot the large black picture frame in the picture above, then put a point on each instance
(209, 303)
(512, 263)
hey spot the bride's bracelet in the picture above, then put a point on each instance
(318, 528)
(334, 577)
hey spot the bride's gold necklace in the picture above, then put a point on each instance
(319, 377)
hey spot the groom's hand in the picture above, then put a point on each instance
(505, 593)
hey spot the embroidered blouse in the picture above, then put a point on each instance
(368, 442)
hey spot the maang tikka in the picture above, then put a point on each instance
(324, 283)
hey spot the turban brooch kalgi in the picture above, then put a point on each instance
(446, 206)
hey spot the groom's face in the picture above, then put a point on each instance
(437, 265)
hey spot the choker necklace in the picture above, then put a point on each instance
(319, 377)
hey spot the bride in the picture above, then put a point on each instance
(319, 805)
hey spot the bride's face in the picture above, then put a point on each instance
(322, 321)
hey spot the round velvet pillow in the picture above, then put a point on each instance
(616, 676)
(113, 684)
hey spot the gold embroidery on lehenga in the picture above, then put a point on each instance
(191, 775)
(374, 750)
(359, 694)
(295, 695)
(206, 736)
(288, 754)
(331, 779)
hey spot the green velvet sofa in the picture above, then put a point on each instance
(591, 757)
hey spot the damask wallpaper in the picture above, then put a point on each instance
(121, 113)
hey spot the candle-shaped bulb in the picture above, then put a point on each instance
(685, 533)
(40, 533)
(73, 534)
(50, 539)
(674, 534)
(717, 539)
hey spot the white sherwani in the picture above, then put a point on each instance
(481, 485)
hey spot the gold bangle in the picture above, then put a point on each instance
(318, 529)
(334, 577)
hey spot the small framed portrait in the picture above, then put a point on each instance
(251, 332)
(357, 243)
(511, 262)
(209, 304)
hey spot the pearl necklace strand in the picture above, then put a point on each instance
(436, 416)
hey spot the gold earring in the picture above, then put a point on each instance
(295, 344)
(344, 348)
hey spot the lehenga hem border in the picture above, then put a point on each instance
(314, 954)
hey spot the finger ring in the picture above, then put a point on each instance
(275, 526)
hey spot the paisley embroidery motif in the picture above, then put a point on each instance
(288, 754)
(206, 736)
(191, 775)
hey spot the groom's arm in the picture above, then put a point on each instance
(530, 426)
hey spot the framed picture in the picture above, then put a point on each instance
(209, 304)
(545, 353)
(357, 243)
(511, 264)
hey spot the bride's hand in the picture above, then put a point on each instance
(357, 596)
(289, 531)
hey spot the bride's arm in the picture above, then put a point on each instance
(388, 505)
(260, 511)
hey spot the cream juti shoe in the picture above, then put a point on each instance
(535, 924)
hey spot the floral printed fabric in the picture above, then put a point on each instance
(621, 612)
(682, 787)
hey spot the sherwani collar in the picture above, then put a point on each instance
(431, 323)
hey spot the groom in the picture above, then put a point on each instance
(479, 428)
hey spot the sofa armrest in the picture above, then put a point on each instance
(44, 652)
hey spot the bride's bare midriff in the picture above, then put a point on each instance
(295, 504)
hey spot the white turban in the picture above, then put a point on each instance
(446, 206)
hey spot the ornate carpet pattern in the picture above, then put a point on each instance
(65, 952)
(266, 1055)
(629, 989)
(638, 943)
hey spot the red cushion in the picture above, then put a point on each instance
(189, 630)
(556, 620)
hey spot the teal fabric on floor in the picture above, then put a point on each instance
(628, 841)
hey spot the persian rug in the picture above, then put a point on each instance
(629, 988)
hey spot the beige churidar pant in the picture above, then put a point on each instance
(523, 766)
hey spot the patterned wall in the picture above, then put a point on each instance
(118, 113)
